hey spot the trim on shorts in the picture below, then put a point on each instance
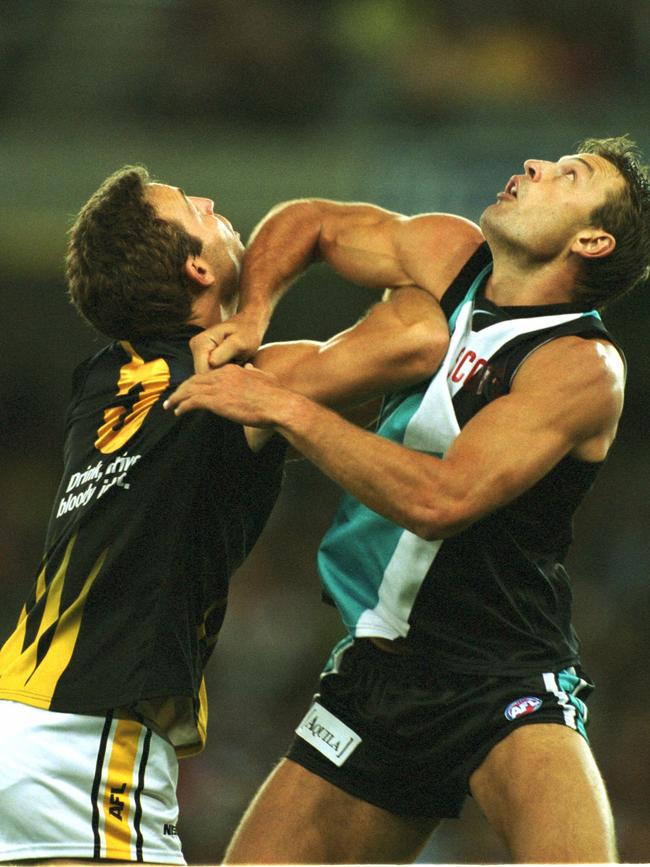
(565, 686)
(137, 818)
(94, 796)
(574, 712)
(333, 664)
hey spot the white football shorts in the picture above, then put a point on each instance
(76, 786)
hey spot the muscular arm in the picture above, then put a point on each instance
(399, 342)
(366, 244)
(566, 399)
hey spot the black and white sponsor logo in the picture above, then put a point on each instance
(328, 735)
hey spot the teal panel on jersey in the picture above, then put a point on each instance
(398, 412)
(471, 292)
(353, 557)
(359, 545)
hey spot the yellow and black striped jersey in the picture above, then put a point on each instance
(152, 516)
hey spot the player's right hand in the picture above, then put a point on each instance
(237, 339)
(242, 394)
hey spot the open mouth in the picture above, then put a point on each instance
(512, 187)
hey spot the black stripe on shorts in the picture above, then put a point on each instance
(137, 818)
(97, 782)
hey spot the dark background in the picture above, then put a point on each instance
(414, 105)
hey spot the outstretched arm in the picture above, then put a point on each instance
(399, 342)
(565, 399)
(366, 244)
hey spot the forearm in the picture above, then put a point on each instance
(306, 367)
(357, 240)
(280, 248)
(405, 486)
(398, 344)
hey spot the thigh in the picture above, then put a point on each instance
(541, 790)
(392, 731)
(300, 818)
(96, 788)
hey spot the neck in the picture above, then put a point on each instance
(515, 284)
(210, 308)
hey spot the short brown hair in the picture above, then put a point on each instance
(626, 214)
(125, 265)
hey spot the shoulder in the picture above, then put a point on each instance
(433, 248)
(575, 358)
(582, 382)
(439, 228)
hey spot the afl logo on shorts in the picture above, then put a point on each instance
(522, 706)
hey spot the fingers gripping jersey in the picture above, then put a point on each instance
(496, 596)
(152, 516)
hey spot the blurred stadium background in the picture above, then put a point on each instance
(414, 105)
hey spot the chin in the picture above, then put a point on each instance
(490, 223)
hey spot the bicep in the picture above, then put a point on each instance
(564, 400)
(378, 248)
(400, 341)
(358, 241)
(503, 451)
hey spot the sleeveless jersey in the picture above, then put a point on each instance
(495, 597)
(152, 516)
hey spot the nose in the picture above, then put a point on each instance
(204, 205)
(533, 169)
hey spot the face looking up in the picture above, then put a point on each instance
(222, 253)
(546, 211)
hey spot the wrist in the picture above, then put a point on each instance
(294, 413)
(256, 310)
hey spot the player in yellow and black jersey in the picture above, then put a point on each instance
(152, 516)
(101, 682)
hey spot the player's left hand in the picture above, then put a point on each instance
(242, 394)
(235, 339)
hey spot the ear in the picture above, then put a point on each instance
(198, 270)
(593, 243)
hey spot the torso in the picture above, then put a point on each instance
(495, 597)
(152, 516)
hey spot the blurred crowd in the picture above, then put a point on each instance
(298, 61)
(416, 105)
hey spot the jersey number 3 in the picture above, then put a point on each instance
(141, 383)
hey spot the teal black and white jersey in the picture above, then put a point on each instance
(496, 597)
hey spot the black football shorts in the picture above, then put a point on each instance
(397, 733)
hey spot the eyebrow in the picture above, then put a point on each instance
(584, 162)
(186, 200)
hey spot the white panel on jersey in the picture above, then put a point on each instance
(432, 429)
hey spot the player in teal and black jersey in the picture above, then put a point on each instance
(101, 682)
(461, 670)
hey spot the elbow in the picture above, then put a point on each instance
(433, 522)
(302, 216)
(424, 349)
